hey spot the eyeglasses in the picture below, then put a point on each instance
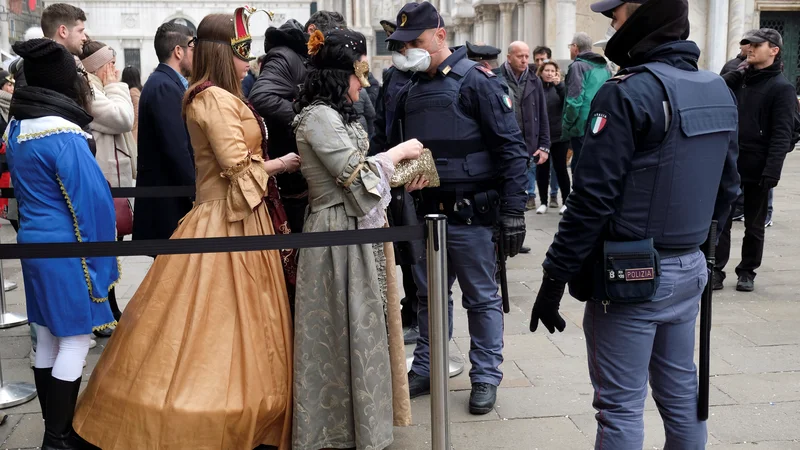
(192, 42)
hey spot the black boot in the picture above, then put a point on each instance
(482, 398)
(41, 378)
(418, 385)
(61, 399)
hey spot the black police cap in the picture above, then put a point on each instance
(413, 19)
(606, 7)
(481, 52)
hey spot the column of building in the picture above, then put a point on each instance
(736, 26)
(717, 41)
(477, 29)
(506, 15)
(490, 24)
(564, 23)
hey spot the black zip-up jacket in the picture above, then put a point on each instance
(554, 96)
(278, 86)
(766, 102)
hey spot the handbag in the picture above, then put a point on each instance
(122, 207)
(407, 170)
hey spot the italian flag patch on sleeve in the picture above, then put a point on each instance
(599, 122)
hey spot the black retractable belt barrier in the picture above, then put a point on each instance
(211, 245)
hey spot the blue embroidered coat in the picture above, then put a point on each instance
(63, 197)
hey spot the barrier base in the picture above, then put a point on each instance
(9, 320)
(456, 365)
(13, 394)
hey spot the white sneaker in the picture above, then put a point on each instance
(542, 209)
(92, 343)
(9, 285)
(563, 208)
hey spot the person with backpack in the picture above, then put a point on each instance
(767, 106)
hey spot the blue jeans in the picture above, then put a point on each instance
(631, 344)
(531, 179)
(470, 259)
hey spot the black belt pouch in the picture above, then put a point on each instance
(631, 271)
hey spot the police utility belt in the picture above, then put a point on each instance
(623, 272)
(461, 207)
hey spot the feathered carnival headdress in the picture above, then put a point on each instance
(242, 40)
(349, 39)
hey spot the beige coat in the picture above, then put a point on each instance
(113, 114)
(135, 95)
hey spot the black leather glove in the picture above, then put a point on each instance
(548, 300)
(513, 226)
(768, 182)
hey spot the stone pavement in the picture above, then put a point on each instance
(545, 398)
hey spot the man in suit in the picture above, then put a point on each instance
(166, 157)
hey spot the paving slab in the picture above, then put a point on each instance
(27, 433)
(549, 433)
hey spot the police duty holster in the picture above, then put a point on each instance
(619, 272)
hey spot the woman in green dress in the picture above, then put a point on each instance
(349, 375)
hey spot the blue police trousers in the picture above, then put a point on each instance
(630, 344)
(470, 259)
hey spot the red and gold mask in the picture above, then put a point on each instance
(241, 21)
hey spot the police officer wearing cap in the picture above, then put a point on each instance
(659, 132)
(458, 110)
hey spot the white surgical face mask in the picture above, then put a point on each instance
(610, 32)
(415, 60)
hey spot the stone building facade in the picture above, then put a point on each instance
(717, 25)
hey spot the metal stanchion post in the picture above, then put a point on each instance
(13, 394)
(8, 319)
(438, 326)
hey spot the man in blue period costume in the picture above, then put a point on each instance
(63, 197)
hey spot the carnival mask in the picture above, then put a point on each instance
(361, 69)
(242, 42)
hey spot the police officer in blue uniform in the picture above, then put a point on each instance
(458, 110)
(660, 132)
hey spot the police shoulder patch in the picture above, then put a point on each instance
(621, 77)
(486, 71)
(507, 102)
(598, 123)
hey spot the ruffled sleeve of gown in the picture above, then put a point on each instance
(218, 113)
(323, 129)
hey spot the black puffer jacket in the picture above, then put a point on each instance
(554, 95)
(766, 102)
(278, 86)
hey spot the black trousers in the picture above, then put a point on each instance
(558, 156)
(411, 301)
(755, 213)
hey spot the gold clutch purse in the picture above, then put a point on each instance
(407, 170)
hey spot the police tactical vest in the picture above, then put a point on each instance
(669, 192)
(434, 116)
(392, 88)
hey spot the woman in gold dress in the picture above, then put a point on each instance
(203, 356)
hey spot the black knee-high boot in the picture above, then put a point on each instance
(112, 302)
(61, 399)
(41, 378)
